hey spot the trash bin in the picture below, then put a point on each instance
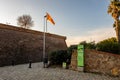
(64, 65)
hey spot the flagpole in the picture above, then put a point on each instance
(46, 25)
(45, 56)
(44, 42)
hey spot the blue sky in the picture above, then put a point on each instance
(78, 20)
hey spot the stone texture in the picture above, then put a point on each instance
(102, 62)
(73, 64)
(37, 72)
(22, 45)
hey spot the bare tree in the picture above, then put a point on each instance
(25, 21)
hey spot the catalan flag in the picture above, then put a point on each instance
(49, 18)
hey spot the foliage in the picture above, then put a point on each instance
(25, 21)
(108, 45)
(90, 45)
(114, 11)
(70, 50)
(58, 57)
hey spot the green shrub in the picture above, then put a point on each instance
(109, 45)
(58, 57)
(90, 45)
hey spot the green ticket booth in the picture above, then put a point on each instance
(80, 57)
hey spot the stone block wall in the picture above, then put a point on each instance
(102, 62)
(73, 64)
(21, 45)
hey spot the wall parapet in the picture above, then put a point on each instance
(11, 27)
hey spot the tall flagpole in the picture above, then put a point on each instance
(45, 59)
(45, 56)
(44, 40)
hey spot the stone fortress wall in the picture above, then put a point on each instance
(21, 45)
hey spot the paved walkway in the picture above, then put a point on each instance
(22, 72)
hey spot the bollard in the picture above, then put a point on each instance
(30, 63)
(13, 62)
(67, 64)
(45, 62)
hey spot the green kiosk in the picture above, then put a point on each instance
(80, 57)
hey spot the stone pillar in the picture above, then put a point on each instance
(73, 64)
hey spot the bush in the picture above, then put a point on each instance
(90, 45)
(109, 45)
(58, 57)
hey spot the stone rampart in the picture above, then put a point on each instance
(21, 45)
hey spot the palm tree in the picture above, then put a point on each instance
(114, 10)
(25, 21)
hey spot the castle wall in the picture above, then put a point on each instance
(21, 45)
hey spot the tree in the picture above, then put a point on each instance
(70, 50)
(114, 10)
(108, 45)
(25, 21)
(89, 45)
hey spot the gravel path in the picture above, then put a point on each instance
(22, 72)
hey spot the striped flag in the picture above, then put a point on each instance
(49, 18)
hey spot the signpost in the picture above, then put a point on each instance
(80, 57)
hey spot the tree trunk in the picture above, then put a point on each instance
(118, 34)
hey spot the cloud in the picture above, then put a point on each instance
(94, 35)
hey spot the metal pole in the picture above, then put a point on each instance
(46, 55)
(45, 59)
(44, 40)
(46, 25)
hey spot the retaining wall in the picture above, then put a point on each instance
(102, 62)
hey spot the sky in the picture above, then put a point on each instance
(78, 20)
